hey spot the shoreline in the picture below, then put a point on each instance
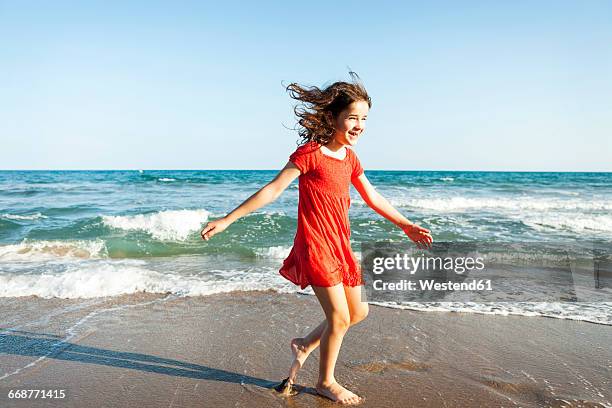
(232, 349)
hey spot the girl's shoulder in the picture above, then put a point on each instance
(305, 157)
(306, 148)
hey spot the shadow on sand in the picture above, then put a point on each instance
(51, 346)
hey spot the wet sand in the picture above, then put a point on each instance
(232, 349)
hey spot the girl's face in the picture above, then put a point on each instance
(350, 123)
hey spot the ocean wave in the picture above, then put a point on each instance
(514, 204)
(170, 225)
(7, 225)
(92, 278)
(282, 252)
(572, 222)
(49, 250)
(276, 252)
(113, 278)
(588, 312)
(35, 216)
(190, 178)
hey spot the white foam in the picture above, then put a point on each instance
(594, 313)
(572, 222)
(282, 252)
(447, 179)
(276, 252)
(107, 277)
(513, 204)
(112, 277)
(171, 225)
(84, 282)
(166, 179)
(49, 250)
(35, 216)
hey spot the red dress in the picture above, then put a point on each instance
(321, 253)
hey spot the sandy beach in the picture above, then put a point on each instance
(232, 349)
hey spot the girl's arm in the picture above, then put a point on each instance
(378, 203)
(264, 196)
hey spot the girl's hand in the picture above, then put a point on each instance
(213, 228)
(421, 236)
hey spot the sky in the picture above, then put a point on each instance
(455, 85)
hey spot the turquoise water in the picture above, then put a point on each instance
(102, 233)
(454, 205)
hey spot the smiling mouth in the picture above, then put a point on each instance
(354, 133)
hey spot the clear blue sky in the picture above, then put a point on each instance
(456, 85)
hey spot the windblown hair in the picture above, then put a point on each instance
(319, 107)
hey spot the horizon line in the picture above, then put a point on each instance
(366, 170)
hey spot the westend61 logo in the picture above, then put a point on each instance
(476, 272)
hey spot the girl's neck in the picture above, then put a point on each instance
(334, 146)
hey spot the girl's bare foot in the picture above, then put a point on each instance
(300, 354)
(338, 393)
(286, 388)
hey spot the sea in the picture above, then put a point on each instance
(93, 234)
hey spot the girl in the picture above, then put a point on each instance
(330, 119)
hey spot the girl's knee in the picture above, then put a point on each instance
(340, 322)
(360, 314)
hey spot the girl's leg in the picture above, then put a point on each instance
(357, 309)
(335, 306)
(302, 347)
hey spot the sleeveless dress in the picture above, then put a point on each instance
(321, 253)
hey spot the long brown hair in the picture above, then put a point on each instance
(317, 108)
